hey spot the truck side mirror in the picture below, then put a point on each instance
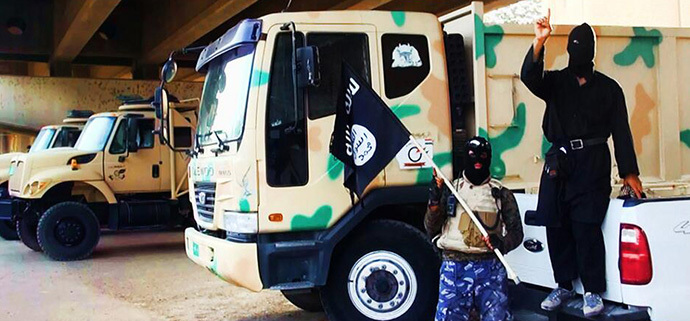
(132, 134)
(308, 67)
(169, 70)
(161, 105)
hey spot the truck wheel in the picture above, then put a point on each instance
(26, 230)
(307, 300)
(68, 231)
(387, 271)
(8, 231)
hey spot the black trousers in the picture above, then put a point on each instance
(577, 249)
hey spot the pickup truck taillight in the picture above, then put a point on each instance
(635, 259)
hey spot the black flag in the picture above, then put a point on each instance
(367, 135)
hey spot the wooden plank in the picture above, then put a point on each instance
(76, 24)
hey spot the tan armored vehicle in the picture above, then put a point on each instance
(49, 137)
(118, 176)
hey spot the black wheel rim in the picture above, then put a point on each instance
(70, 231)
(382, 286)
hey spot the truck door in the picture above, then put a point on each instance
(133, 171)
(297, 164)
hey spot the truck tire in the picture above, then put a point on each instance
(68, 231)
(388, 270)
(26, 230)
(307, 300)
(8, 231)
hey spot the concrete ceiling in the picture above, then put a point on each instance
(132, 38)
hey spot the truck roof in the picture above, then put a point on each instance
(349, 17)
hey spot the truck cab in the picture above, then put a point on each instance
(49, 137)
(118, 176)
(266, 192)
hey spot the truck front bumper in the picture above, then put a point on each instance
(236, 263)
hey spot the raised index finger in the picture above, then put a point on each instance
(548, 15)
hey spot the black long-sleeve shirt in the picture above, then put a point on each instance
(594, 110)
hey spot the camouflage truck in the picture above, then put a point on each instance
(49, 137)
(117, 176)
(269, 198)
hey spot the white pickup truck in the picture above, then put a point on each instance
(647, 275)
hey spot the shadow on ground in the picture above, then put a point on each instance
(288, 316)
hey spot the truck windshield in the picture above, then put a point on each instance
(224, 98)
(43, 139)
(95, 134)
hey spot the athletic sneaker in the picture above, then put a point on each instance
(593, 304)
(556, 298)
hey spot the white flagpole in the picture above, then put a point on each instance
(449, 184)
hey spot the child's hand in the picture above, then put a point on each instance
(487, 240)
(439, 181)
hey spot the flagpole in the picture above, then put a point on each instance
(511, 273)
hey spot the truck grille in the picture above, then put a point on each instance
(15, 184)
(205, 196)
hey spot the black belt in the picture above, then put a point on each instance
(577, 144)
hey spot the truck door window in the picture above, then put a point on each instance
(67, 137)
(405, 63)
(118, 144)
(353, 48)
(145, 134)
(286, 132)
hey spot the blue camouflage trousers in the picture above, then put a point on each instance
(478, 284)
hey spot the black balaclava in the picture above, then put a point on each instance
(477, 160)
(581, 48)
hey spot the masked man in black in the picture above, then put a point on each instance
(583, 108)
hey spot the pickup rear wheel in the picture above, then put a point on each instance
(26, 230)
(68, 231)
(8, 231)
(307, 300)
(387, 271)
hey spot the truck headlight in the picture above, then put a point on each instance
(244, 222)
(37, 186)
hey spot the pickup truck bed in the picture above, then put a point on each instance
(661, 227)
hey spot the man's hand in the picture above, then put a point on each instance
(542, 27)
(634, 182)
(542, 31)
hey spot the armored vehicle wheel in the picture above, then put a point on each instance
(26, 230)
(68, 231)
(386, 271)
(307, 300)
(8, 231)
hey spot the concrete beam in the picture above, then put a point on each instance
(359, 4)
(180, 23)
(436, 7)
(76, 22)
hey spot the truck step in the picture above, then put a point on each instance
(526, 304)
(293, 286)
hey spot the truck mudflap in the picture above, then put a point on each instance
(236, 263)
(526, 302)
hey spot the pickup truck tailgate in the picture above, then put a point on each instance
(666, 224)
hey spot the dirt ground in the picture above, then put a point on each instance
(131, 276)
